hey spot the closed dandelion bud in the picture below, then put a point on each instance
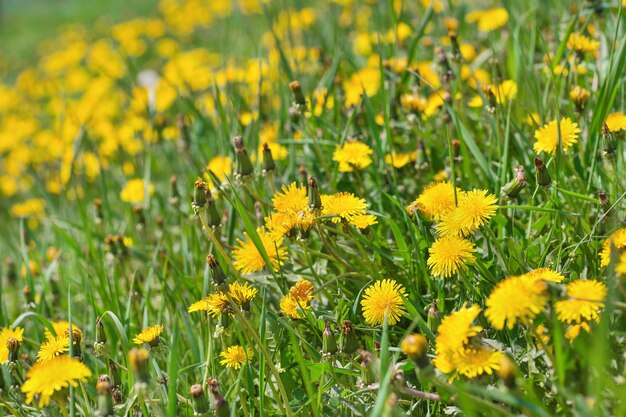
(77, 337)
(213, 217)
(329, 345)
(507, 372)
(174, 194)
(489, 92)
(456, 49)
(608, 142)
(298, 97)
(456, 149)
(99, 345)
(434, 317)
(415, 347)
(199, 193)
(580, 97)
(369, 367)
(97, 204)
(244, 165)
(139, 360)
(114, 373)
(268, 160)
(542, 174)
(446, 74)
(13, 346)
(347, 341)
(512, 189)
(303, 177)
(216, 271)
(315, 201)
(105, 400)
(199, 400)
(219, 403)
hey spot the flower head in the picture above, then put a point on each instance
(490, 19)
(53, 347)
(475, 361)
(292, 198)
(242, 293)
(515, 298)
(474, 210)
(46, 378)
(342, 206)
(235, 356)
(248, 258)
(383, 298)
(60, 328)
(617, 239)
(616, 122)
(585, 300)
(435, 201)
(135, 191)
(582, 44)
(449, 254)
(353, 155)
(149, 335)
(456, 329)
(299, 296)
(545, 274)
(5, 334)
(548, 135)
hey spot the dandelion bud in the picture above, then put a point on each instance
(174, 194)
(456, 149)
(434, 317)
(507, 372)
(446, 71)
(213, 217)
(315, 201)
(512, 189)
(13, 346)
(216, 271)
(244, 165)
(99, 346)
(97, 204)
(456, 49)
(219, 403)
(77, 337)
(140, 217)
(199, 194)
(105, 400)
(303, 176)
(268, 160)
(139, 360)
(347, 341)
(415, 347)
(489, 92)
(200, 401)
(369, 367)
(329, 345)
(608, 142)
(542, 174)
(28, 295)
(299, 100)
(114, 373)
(580, 97)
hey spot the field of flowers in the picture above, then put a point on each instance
(317, 208)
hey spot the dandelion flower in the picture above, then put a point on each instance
(46, 378)
(399, 160)
(363, 221)
(149, 335)
(585, 300)
(475, 361)
(617, 239)
(545, 274)
(620, 268)
(342, 206)
(457, 328)
(490, 19)
(548, 136)
(60, 328)
(353, 155)
(135, 191)
(302, 290)
(582, 44)
(573, 331)
(248, 258)
(221, 166)
(235, 356)
(616, 122)
(242, 293)
(201, 305)
(53, 347)
(475, 209)
(289, 306)
(436, 201)
(6, 334)
(291, 199)
(515, 298)
(383, 298)
(449, 254)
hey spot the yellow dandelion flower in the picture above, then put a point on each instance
(616, 122)
(474, 210)
(475, 361)
(515, 298)
(582, 44)
(456, 329)
(33, 207)
(217, 304)
(573, 331)
(53, 347)
(353, 155)
(248, 258)
(46, 378)
(449, 254)
(342, 206)
(548, 136)
(617, 239)
(221, 166)
(235, 356)
(621, 266)
(302, 290)
(363, 221)
(488, 20)
(60, 328)
(383, 298)
(201, 305)
(542, 337)
(149, 335)
(242, 293)
(435, 201)
(5, 334)
(292, 198)
(585, 300)
(399, 160)
(135, 191)
(289, 306)
(281, 224)
(545, 274)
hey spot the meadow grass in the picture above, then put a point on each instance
(439, 229)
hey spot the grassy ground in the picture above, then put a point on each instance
(439, 229)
